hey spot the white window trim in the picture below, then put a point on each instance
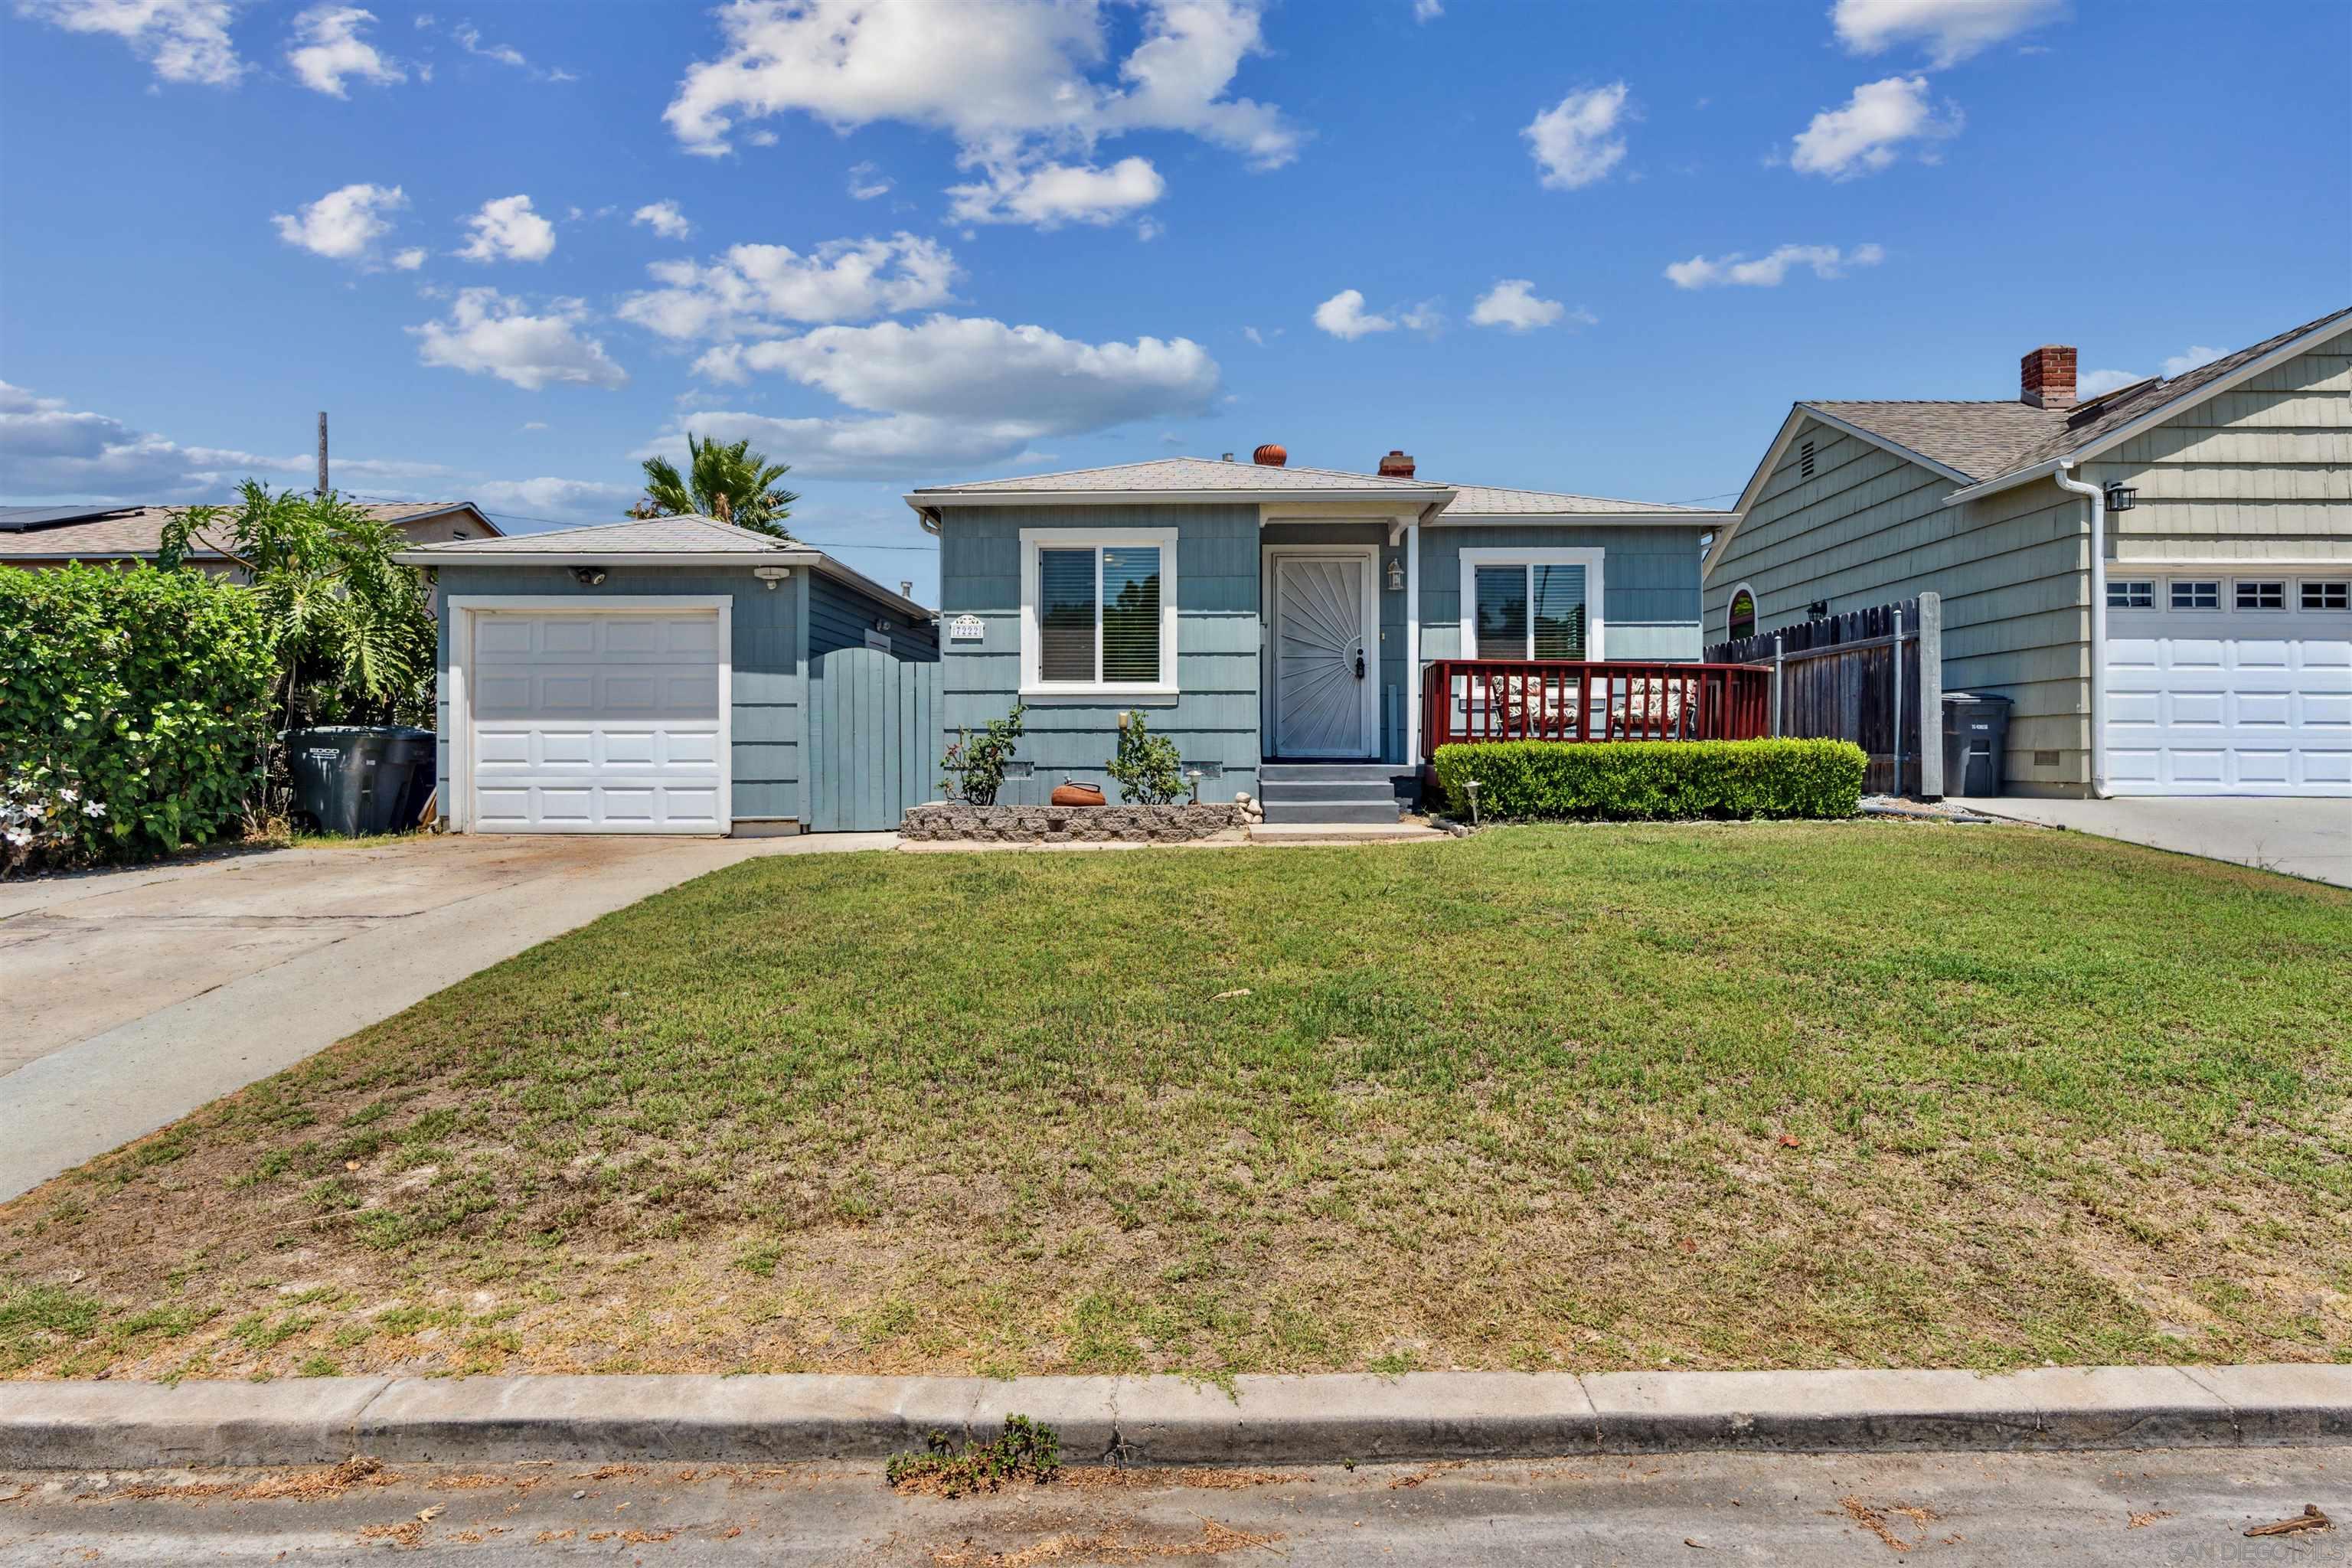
(2222, 595)
(2287, 595)
(1032, 540)
(1595, 645)
(1756, 617)
(2313, 581)
(457, 676)
(2115, 586)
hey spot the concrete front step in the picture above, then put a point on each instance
(1383, 808)
(1336, 789)
(1333, 773)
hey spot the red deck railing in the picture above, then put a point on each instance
(1523, 700)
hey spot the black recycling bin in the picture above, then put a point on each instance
(419, 751)
(353, 779)
(1976, 741)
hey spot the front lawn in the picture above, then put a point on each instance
(1739, 1095)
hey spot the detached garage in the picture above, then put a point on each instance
(675, 675)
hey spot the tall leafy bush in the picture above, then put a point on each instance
(1653, 780)
(133, 705)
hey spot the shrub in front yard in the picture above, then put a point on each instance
(1630, 780)
(132, 707)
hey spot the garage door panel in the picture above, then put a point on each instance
(598, 722)
(2235, 703)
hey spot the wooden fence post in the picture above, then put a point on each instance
(1779, 669)
(1931, 696)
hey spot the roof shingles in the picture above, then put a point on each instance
(139, 531)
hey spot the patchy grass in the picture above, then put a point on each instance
(1741, 1094)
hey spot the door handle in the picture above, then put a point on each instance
(1359, 664)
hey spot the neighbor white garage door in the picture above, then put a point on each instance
(597, 722)
(2220, 685)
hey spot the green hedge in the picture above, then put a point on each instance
(1642, 781)
(132, 704)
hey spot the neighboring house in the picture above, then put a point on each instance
(1259, 614)
(39, 536)
(675, 675)
(2201, 645)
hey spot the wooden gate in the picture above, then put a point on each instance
(1873, 677)
(874, 739)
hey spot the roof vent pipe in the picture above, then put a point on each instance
(1269, 455)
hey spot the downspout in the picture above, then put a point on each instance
(2098, 620)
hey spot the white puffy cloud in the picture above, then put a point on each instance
(183, 40)
(1867, 133)
(1512, 303)
(48, 448)
(1575, 142)
(1343, 316)
(345, 224)
(955, 391)
(2182, 364)
(2099, 383)
(1050, 194)
(751, 289)
(1020, 84)
(507, 229)
(489, 333)
(663, 219)
(866, 183)
(1952, 30)
(326, 47)
(1428, 10)
(566, 500)
(1769, 271)
(410, 260)
(469, 39)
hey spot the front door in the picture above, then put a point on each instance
(1325, 656)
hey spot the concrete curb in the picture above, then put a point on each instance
(1165, 1420)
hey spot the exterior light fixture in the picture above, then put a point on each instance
(1194, 775)
(771, 576)
(1396, 575)
(1818, 608)
(588, 576)
(2121, 497)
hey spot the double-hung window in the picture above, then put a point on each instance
(1531, 604)
(1098, 612)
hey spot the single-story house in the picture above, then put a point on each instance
(1276, 621)
(43, 536)
(2159, 578)
(675, 675)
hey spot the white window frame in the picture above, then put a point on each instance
(457, 676)
(2220, 597)
(2286, 595)
(1032, 540)
(2120, 585)
(2303, 583)
(1756, 617)
(1595, 645)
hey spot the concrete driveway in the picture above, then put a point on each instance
(2301, 837)
(132, 998)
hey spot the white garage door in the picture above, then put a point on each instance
(597, 722)
(2220, 685)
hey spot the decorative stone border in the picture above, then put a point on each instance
(948, 822)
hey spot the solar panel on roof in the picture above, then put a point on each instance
(26, 518)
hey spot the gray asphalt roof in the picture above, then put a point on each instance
(127, 531)
(639, 536)
(1496, 500)
(1188, 474)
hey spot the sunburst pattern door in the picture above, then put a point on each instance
(1322, 660)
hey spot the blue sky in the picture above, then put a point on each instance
(1594, 248)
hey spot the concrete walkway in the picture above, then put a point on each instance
(134, 997)
(2301, 837)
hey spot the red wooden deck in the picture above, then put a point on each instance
(1523, 700)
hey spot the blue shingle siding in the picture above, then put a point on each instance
(1649, 578)
(840, 617)
(1216, 717)
(770, 679)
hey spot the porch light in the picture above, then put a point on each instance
(2121, 497)
(771, 576)
(588, 576)
(1396, 575)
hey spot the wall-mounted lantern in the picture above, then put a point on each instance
(1396, 575)
(2121, 497)
(771, 576)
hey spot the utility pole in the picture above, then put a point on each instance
(322, 454)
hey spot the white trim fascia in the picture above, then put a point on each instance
(2307, 565)
(1369, 629)
(464, 609)
(1032, 540)
(1573, 518)
(1591, 560)
(2173, 408)
(1798, 414)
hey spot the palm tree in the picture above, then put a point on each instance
(731, 483)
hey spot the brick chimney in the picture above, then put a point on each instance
(1396, 466)
(2046, 378)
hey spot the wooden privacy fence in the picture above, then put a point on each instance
(1873, 677)
(874, 739)
(1540, 700)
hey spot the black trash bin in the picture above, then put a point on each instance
(419, 751)
(352, 779)
(1976, 742)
